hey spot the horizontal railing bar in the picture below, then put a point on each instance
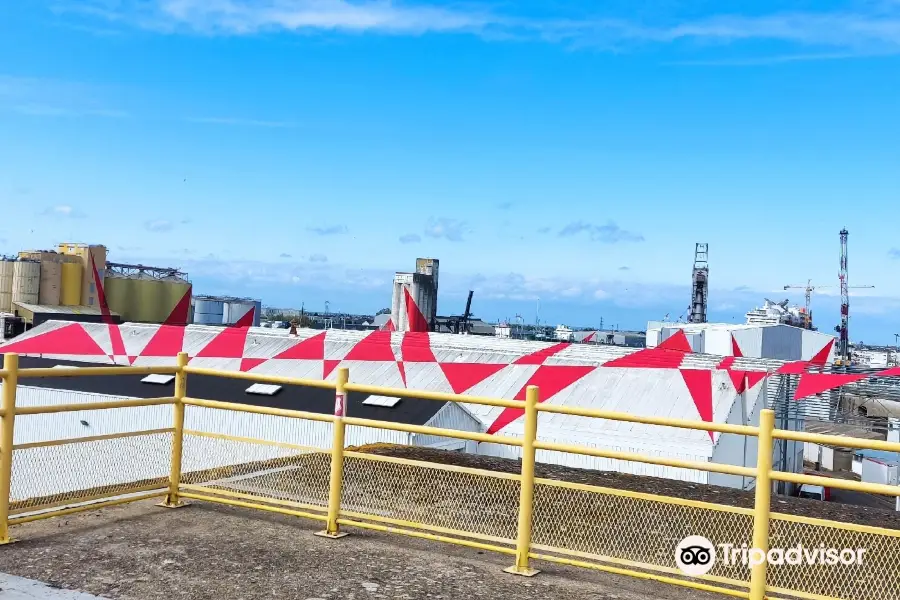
(663, 421)
(250, 440)
(96, 371)
(835, 440)
(206, 489)
(425, 527)
(426, 536)
(425, 430)
(260, 410)
(261, 377)
(652, 460)
(430, 465)
(47, 506)
(91, 438)
(3, 373)
(436, 396)
(640, 575)
(58, 408)
(77, 509)
(599, 490)
(841, 484)
(238, 503)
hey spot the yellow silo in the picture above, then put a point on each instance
(121, 296)
(70, 288)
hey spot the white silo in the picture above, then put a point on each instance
(7, 267)
(26, 281)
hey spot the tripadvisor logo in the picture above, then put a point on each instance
(695, 555)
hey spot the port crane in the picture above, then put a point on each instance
(809, 288)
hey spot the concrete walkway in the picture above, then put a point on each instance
(19, 588)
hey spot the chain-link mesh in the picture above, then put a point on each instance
(265, 456)
(638, 530)
(51, 476)
(877, 577)
(482, 504)
(285, 473)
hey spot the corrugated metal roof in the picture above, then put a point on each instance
(48, 309)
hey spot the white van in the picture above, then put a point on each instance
(812, 492)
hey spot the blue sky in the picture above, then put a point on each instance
(303, 150)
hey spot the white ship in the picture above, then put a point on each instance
(774, 313)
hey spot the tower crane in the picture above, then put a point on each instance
(809, 288)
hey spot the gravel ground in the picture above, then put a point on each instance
(210, 552)
(842, 513)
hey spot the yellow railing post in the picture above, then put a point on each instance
(332, 529)
(765, 449)
(7, 422)
(526, 489)
(173, 500)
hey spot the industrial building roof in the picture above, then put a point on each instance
(231, 390)
(62, 311)
(668, 380)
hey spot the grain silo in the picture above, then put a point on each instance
(208, 310)
(72, 273)
(26, 281)
(51, 275)
(237, 308)
(7, 266)
(92, 257)
(143, 294)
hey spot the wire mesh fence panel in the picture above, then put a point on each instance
(435, 496)
(259, 455)
(876, 575)
(282, 472)
(634, 529)
(45, 476)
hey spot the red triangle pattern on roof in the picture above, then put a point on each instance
(677, 342)
(463, 376)
(793, 368)
(538, 358)
(815, 383)
(247, 319)
(735, 349)
(752, 378)
(312, 348)
(892, 372)
(115, 339)
(68, 339)
(551, 379)
(649, 358)
(822, 355)
(374, 347)
(329, 366)
(227, 344)
(251, 363)
(416, 347)
(402, 371)
(699, 384)
(167, 341)
(101, 293)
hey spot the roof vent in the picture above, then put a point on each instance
(381, 401)
(158, 379)
(263, 389)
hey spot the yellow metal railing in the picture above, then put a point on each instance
(302, 464)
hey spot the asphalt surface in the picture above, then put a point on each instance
(209, 552)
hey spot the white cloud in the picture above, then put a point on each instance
(318, 258)
(65, 211)
(410, 238)
(610, 233)
(159, 225)
(449, 229)
(865, 27)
